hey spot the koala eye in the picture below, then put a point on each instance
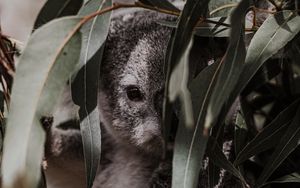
(134, 93)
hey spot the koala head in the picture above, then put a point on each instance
(132, 82)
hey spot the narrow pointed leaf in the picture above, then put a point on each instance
(277, 31)
(287, 144)
(85, 85)
(216, 155)
(232, 65)
(95, 31)
(55, 9)
(85, 94)
(290, 178)
(162, 4)
(190, 143)
(179, 77)
(43, 70)
(226, 5)
(270, 135)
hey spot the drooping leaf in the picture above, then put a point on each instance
(270, 135)
(85, 95)
(290, 178)
(162, 4)
(190, 143)
(43, 70)
(287, 144)
(178, 86)
(95, 31)
(85, 85)
(232, 65)
(216, 155)
(240, 133)
(55, 9)
(220, 27)
(277, 31)
(222, 8)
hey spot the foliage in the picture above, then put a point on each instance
(252, 87)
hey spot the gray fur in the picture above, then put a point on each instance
(132, 140)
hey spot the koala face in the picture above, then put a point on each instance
(132, 82)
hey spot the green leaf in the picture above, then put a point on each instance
(232, 65)
(217, 156)
(290, 178)
(42, 72)
(85, 94)
(240, 133)
(162, 4)
(55, 9)
(207, 29)
(270, 135)
(276, 32)
(222, 8)
(178, 86)
(190, 143)
(85, 86)
(95, 31)
(287, 144)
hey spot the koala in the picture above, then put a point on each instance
(130, 105)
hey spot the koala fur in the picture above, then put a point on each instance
(130, 101)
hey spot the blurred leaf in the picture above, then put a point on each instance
(240, 133)
(186, 163)
(179, 77)
(85, 86)
(162, 4)
(287, 144)
(55, 9)
(207, 29)
(213, 174)
(290, 178)
(276, 31)
(95, 31)
(217, 156)
(190, 143)
(270, 135)
(232, 65)
(226, 7)
(43, 70)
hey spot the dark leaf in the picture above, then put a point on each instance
(270, 135)
(55, 9)
(288, 142)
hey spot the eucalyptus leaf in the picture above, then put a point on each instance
(287, 144)
(55, 9)
(216, 155)
(240, 133)
(222, 8)
(190, 143)
(208, 29)
(276, 32)
(95, 31)
(43, 70)
(85, 95)
(290, 178)
(232, 65)
(270, 135)
(162, 4)
(85, 86)
(178, 86)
